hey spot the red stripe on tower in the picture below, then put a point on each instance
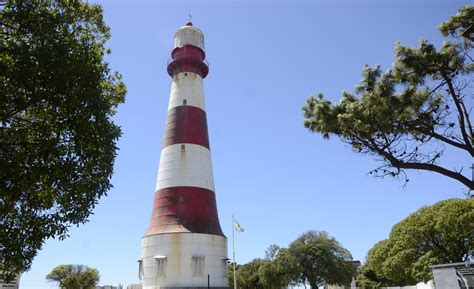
(188, 58)
(186, 124)
(194, 209)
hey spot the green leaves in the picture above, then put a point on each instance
(315, 258)
(74, 276)
(405, 116)
(320, 260)
(279, 272)
(57, 139)
(458, 24)
(416, 66)
(438, 234)
(248, 276)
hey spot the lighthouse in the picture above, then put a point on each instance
(184, 246)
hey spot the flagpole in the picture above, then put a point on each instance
(233, 249)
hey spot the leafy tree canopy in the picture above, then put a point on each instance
(320, 259)
(247, 275)
(436, 234)
(370, 275)
(407, 116)
(460, 24)
(315, 258)
(280, 270)
(272, 252)
(74, 276)
(57, 139)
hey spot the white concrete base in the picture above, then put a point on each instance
(180, 251)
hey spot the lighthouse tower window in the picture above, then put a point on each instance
(160, 265)
(225, 266)
(198, 265)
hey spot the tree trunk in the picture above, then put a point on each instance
(313, 285)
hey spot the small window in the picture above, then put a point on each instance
(160, 267)
(225, 267)
(185, 101)
(198, 266)
(185, 74)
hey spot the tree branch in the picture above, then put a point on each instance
(422, 166)
(442, 138)
(462, 124)
(468, 120)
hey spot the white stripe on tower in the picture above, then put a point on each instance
(188, 166)
(187, 87)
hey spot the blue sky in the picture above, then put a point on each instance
(278, 179)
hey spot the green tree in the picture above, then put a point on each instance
(57, 137)
(438, 234)
(247, 275)
(230, 273)
(320, 259)
(272, 252)
(407, 116)
(273, 272)
(74, 277)
(370, 275)
(280, 270)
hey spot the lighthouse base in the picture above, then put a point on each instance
(183, 260)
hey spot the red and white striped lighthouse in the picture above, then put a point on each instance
(184, 246)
